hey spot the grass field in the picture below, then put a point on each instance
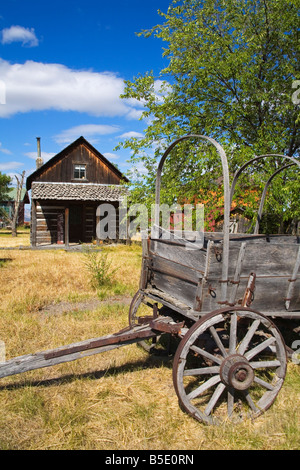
(120, 400)
(6, 240)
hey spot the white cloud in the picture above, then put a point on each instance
(19, 34)
(3, 150)
(86, 130)
(10, 166)
(36, 86)
(132, 135)
(134, 114)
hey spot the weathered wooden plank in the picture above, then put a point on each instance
(43, 233)
(177, 288)
(74, 351)
(252, 238)
(43, 220)
(47, 227)
(145, 263)
(49, 207)
(263, 259)
(179, 254)
(176, 270)
(292, 281)
(269, 294)
(172, 303)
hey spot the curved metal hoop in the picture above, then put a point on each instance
(240, 170)
(263, 197)
(222, 154)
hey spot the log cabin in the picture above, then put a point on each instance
(66, 191)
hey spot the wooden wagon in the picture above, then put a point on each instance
(218, 294)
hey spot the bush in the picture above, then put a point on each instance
(98, 266)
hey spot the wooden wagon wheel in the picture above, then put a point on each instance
(230, 364)
(134, 306)
(133, 319)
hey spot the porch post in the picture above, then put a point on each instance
(33, 227)
(66, 226)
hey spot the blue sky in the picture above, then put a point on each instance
(62, 69)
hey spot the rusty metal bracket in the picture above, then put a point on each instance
(166, 327)
(249, 292)
(218, 252)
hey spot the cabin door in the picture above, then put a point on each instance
(76, 223)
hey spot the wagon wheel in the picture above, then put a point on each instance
(133, 319)
(134, 306)
(230, 364)
(159, 345)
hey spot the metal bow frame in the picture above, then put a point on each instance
(228, 194)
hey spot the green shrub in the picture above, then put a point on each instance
(98, 266)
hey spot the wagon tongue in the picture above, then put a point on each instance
(89, 347)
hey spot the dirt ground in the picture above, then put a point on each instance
(89, 304)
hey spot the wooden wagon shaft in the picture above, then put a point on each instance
(87, 348)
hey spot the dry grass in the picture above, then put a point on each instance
(122, 399)
(6, 240)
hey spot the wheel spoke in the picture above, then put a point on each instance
(213, 401)
(244, 344)
(253, 352)
(218, 341)
(233, 330)
(270, 396)
(205, 386)
(206, 354)
(250, 402)
(263, 383)
(264, 364)
(202, 371)
(230, 401)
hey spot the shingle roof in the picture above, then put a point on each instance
(77, 191)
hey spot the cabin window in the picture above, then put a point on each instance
(79, 172)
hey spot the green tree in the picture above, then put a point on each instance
(231, 75)
(4, 187)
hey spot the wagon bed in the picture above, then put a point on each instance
(188, 278)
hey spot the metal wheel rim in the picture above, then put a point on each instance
(135, 303)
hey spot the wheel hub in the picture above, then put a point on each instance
(236, 372)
